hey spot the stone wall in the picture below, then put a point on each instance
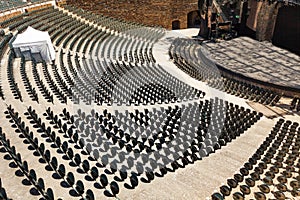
(266, 21)
(276, 22)
(255, 7)
(149, 12)
(258, 19)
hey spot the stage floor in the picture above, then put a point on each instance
(258, 60)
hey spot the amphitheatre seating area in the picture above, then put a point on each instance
(272, 171)
(106, 118)
(6, 5)
(191, 58)
(13, 4)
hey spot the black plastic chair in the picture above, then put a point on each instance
(70, 179)
(79, 187)
(114, 187)
(89, 195)
(103, 180)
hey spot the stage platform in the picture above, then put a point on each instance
(258, 61)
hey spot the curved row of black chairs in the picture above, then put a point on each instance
(4, 41)
(27, 18)
(121, 83)
(28, 86)
(3, 194)
(86, 166)
(53, 86)
(11, 79)
(111, 149)
(34, 17)
(127, 149)
(82, 89)
(3, 44)
(198, 66)
(76, 127)
(40, 84)
(11, 5)
(132, 49)
(273, 170)
(30, 174)
(7, 22)
(45, 154)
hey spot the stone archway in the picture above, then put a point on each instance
(193, 19)
(175, 24)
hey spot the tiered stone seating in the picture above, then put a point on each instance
(105, 117)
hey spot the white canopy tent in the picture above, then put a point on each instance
(34, 43)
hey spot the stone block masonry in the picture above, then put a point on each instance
(148, 12)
